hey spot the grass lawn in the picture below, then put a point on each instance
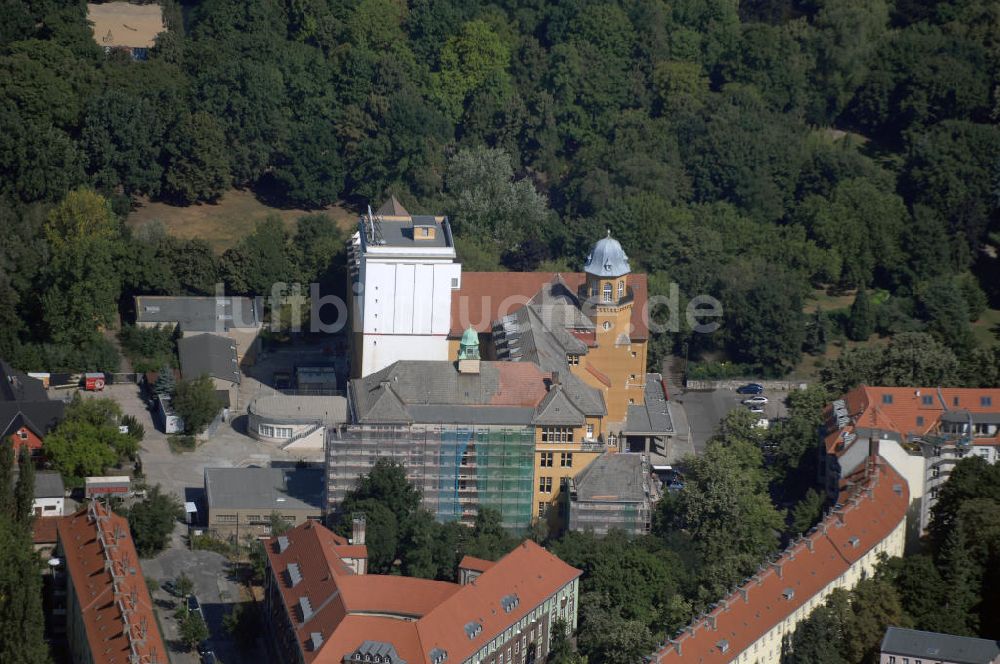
(987, 328)
(224, 223)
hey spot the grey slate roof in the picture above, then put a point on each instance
(652, 417)
(200, 314)
(393, 208)
(49, 485)
(557, 409)
(939, 647)
(265, 489)
(25, 403)
(300, 408)
(208, 354)
(607, 259)
(613, 477)
(430, 392)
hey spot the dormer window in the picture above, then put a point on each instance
(887, 399)
(985, 401)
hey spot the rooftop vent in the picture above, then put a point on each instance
(723, 645)
(294, 574)
(282, 544)
(437, 655)
(472, 629)
(306, 608)
(788, 593)
(854, 541)
(315, 640)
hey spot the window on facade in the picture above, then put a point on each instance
(545, 484)
(557, 434)
(608, 292)
(465, 458)
(621, 289)
(282, 432)
(954, 402)
(225, 518)
(573, 360)
(607, 325)
(590, 431)
(542, 509)
(546, 460)
(253, 518)
(266, 430)
(920, 420)
(566, 460)
(23, 435)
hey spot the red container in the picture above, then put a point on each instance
(93, 382)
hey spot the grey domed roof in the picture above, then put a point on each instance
(607, 259)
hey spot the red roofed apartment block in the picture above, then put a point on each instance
(921, 431)
(322, 610)
(749, 624)
(109, 613)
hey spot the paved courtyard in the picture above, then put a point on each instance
(705, 409)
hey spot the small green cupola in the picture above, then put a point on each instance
(468, 348)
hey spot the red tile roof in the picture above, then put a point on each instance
(104, 570)
(413, 615)
(475, 564)
(898, 409)
(44, 529)
(870, 511)
(520, 384)
(489, 296)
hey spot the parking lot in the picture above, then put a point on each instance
(705, 409)
(215, 590)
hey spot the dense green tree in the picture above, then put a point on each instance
(485, 200)
(310, 171)
(474, 57)
(152, 521)
(724, 508)
(24, 489)
(763, 319)
(197, 159)
(193, 629)
(83, 280)
(807, 512)
(165, 381)
(88, 441)
(321, 248)
(610, 638)
(196, 403)
(861, 321)
(817, 333)
(913, 358)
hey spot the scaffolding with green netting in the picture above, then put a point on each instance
(458, 468)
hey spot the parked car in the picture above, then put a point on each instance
(750, 388)
(208, 657)
(194, 606)
(756, 408)
(759, 399)
(170, 587)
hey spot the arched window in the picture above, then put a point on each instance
(621, 289)
(607, 292)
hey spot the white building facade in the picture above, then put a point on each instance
(404, 270)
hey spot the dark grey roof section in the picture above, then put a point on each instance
(24, 403)
(384, 650)
(265, 489)
(432, 392)
(209, 354)
(49, 485)
(399, 234)
(618, 478)
(652, 417)
(557, 409)
(499, 415)
(964, 417)
(201, 314)
(939, 647)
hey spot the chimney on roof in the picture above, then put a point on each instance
(555, 380)
(745, 592)
(711, 621)
(777, 565)
(358, 528)
(676, 643)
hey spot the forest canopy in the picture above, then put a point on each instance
(754, 151)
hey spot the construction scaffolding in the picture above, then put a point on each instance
(457, 468)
